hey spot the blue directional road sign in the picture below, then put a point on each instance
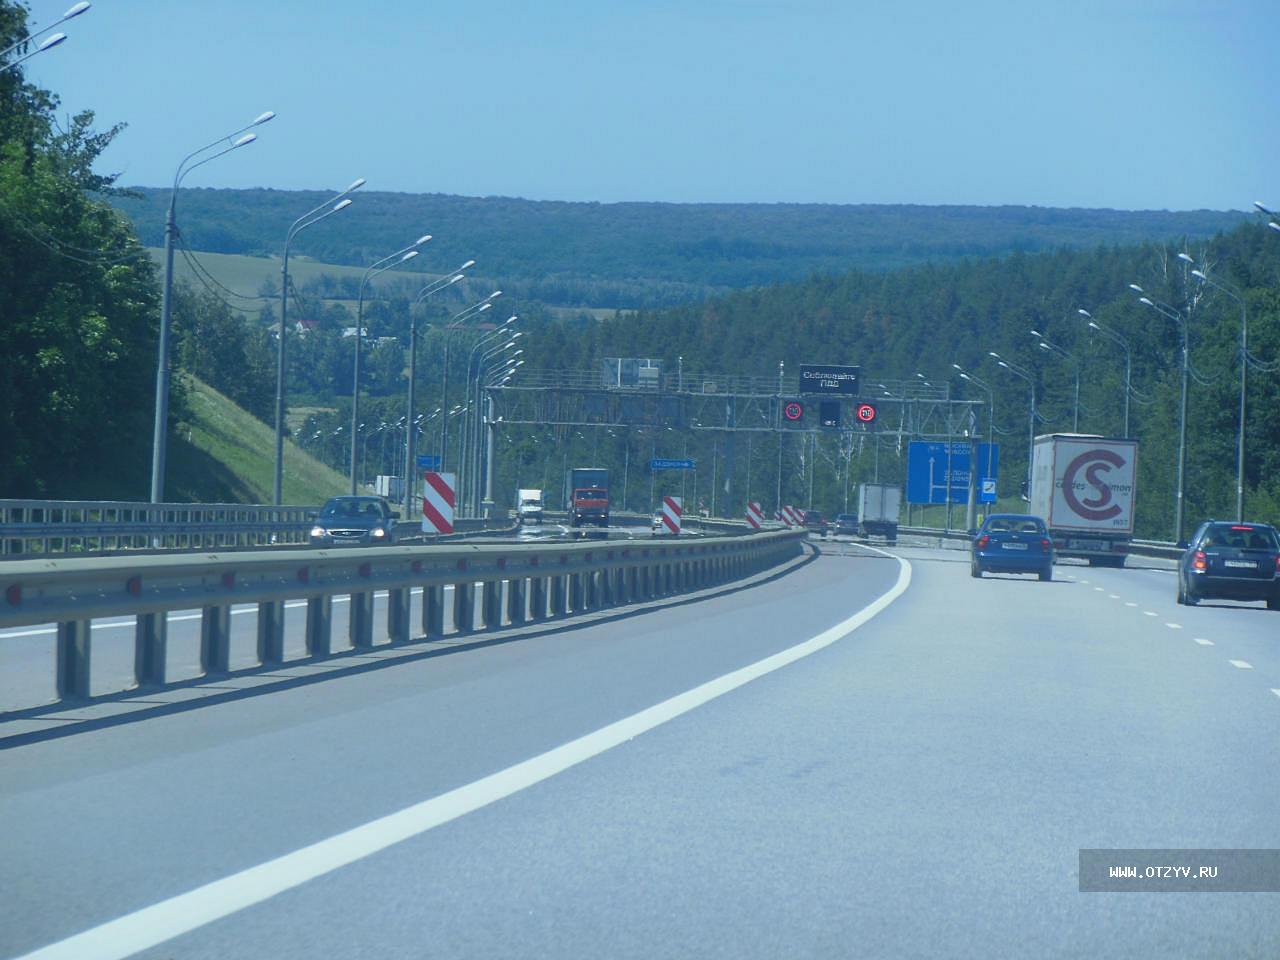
(428, 461)
(931, 474)
(658, 463)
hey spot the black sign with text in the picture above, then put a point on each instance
(823, 378)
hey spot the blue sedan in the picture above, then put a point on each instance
(1012, 543)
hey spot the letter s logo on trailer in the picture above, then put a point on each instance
(1095, 464)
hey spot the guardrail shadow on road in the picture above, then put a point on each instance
(68, 717)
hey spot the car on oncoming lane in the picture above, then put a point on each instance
(814, 522)
(1231, 561)
(1012, 543)
(354, 521)
(846, 524)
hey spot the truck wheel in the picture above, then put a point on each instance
(1182, 594)
(1046, 574)
(1273, 603)
(975, 569)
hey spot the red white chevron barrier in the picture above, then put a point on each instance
(755, 515)
(671, 513)
(437, 502)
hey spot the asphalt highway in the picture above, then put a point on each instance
(675, 783)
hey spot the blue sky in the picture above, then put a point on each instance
(1163, 104)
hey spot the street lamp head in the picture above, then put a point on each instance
(263, 117)
(76, 10)
(244, 141)
(1199, 273)
(1001, 363)
(468, 264)
(963, 375)
(1274, 226)
(495, 294)
(517, 335)
(1137, 289)
(1258, 204)
(958, 367)
(341, 205)
(484, 307)
(511, 319)
(1085, 313)
(992, 353)
(1044, 346)
(356, 184)
(1036, 333)
(1146, 300)
(454, 279)
(1094, 326)
(409, 256)
(1186, 257)
(52, 41)
(422, 239)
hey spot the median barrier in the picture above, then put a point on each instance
(537, 581)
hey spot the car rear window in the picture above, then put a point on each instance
(1013, 525)
(1242, 536)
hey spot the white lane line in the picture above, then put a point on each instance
(1130, 603)
(181, 617)
(1114, 596)
(1241, 664)
(1275, 691)
(1150, 613)
(1203, 642)
(1174, 626)
(181, 914)
(1099, 590)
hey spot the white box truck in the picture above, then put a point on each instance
(528, 506)
(1083, 486)
(878, 508)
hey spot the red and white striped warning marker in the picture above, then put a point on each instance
(790, 515)
(671, 514)
(755, 515)
(437, 502)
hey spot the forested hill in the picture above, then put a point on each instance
(924, 319)
(635, 255)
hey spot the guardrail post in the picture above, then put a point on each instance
(360, 625)
(149, 644)
(577, 592)
(559, 598)
(215, 640)
(538, 598)
(73, 658)
(271, 632)
(464, 607)
(319, 626)
(491, 604)
(433, 612)
(398, 615)
(516, 600)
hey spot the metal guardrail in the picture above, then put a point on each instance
(86, 527)
(1160, 549)
(515, 583)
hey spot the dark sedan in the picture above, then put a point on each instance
(354, 521)
(815, 522)
(847, 524)
(1231, 561)
(1012, 543)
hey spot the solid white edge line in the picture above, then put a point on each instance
(181, 914)
(1241, 664)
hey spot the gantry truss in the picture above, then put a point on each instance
(905, 408)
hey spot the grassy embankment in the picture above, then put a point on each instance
(226, 455)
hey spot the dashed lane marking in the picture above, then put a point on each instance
(1203, 642)
(1241, 664)
(1174, 626)
(1150, 613)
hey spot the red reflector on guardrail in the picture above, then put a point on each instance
(535, 560)
(134, 585)
(304, 574)
(229, 580)
(462, 563)
(364, 570)
(416, 566)
(14, 594)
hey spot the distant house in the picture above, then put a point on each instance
(385, 340)
(351, 331)
(306, 326)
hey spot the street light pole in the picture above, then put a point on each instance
(1053, 348)
(402, 255)
(411, 440)
(471, 433)
(1128, 368)
(1244, 375)
(474, 310)
(340, 202)
(1031, 427)
(45, 44)
(991, 413)
(160, 426)
(1182, 323)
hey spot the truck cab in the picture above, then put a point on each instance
(529, 506)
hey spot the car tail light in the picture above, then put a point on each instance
(1046, 544)
(983, 541)
(1198, 561)
(1278, 563)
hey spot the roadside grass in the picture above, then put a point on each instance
(226, 455)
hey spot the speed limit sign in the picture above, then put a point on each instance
(866, 413)
(793, 411)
